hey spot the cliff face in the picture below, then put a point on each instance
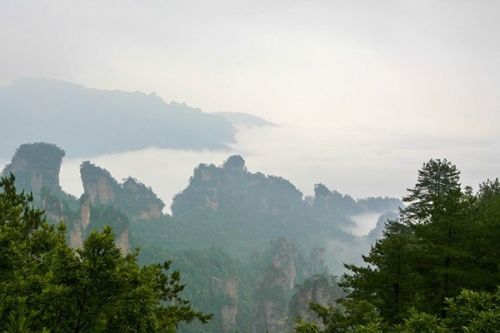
(140, 201)
(80, 225)
(98, 184)
(36, 166)
(273, 292)
(131, 197)
(227, 289)
(230, 186)
(114, 203)
(250, 209)
(333, 207)
(320, 289)
(247, 209)
(317, 263)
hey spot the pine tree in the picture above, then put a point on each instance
(436, 181)
(388, 280)
(445, 241)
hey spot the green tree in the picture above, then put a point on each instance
(417, 275)
(445, 240)
(469, 312)
(454, 237)
(421, 322)
(46, 285)
(388, 281)
(483, 239)
(25, 241)
(348, 316)
(435, 182)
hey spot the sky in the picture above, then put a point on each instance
(363, 91)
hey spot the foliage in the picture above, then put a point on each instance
(469, 312)
(436, 268)
(348, 316)
(102, 216)
(47, 286)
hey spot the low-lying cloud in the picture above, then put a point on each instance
(358, 163)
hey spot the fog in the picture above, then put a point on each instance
(352, 163)
(363, 91)
(364, 223)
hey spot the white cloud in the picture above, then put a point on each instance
(367, 90)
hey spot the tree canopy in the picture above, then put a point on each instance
(47, 286)
(437, 268)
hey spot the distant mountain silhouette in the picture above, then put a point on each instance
(88, 122)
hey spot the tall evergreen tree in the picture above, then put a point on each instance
(388, 281)
(446, 239)
(483, 241)
(436, 181)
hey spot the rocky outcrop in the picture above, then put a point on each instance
(94, 215)
(331, 207)
(317, 261)
(98, 184)
(140, 201)
(122, 241)
(85, 211)
(320, 289)
(247, 210)
(227, 289)
(80, 226)
(231, 186)
(271, 312)
(235, 164)
(131, 197)
(36, 166)
(254, 205)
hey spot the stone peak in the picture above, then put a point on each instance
(235, 162)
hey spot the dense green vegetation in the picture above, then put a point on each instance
(243, 211)
(238, 217)
(437, 268)
(47, 286)
(254, 252)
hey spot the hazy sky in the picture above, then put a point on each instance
(365, 90)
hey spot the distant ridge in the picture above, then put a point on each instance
(89, 122)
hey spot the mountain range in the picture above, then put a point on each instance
(90, 122)
(253, 249)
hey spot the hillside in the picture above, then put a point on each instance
(242, 240)
(88, 122)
